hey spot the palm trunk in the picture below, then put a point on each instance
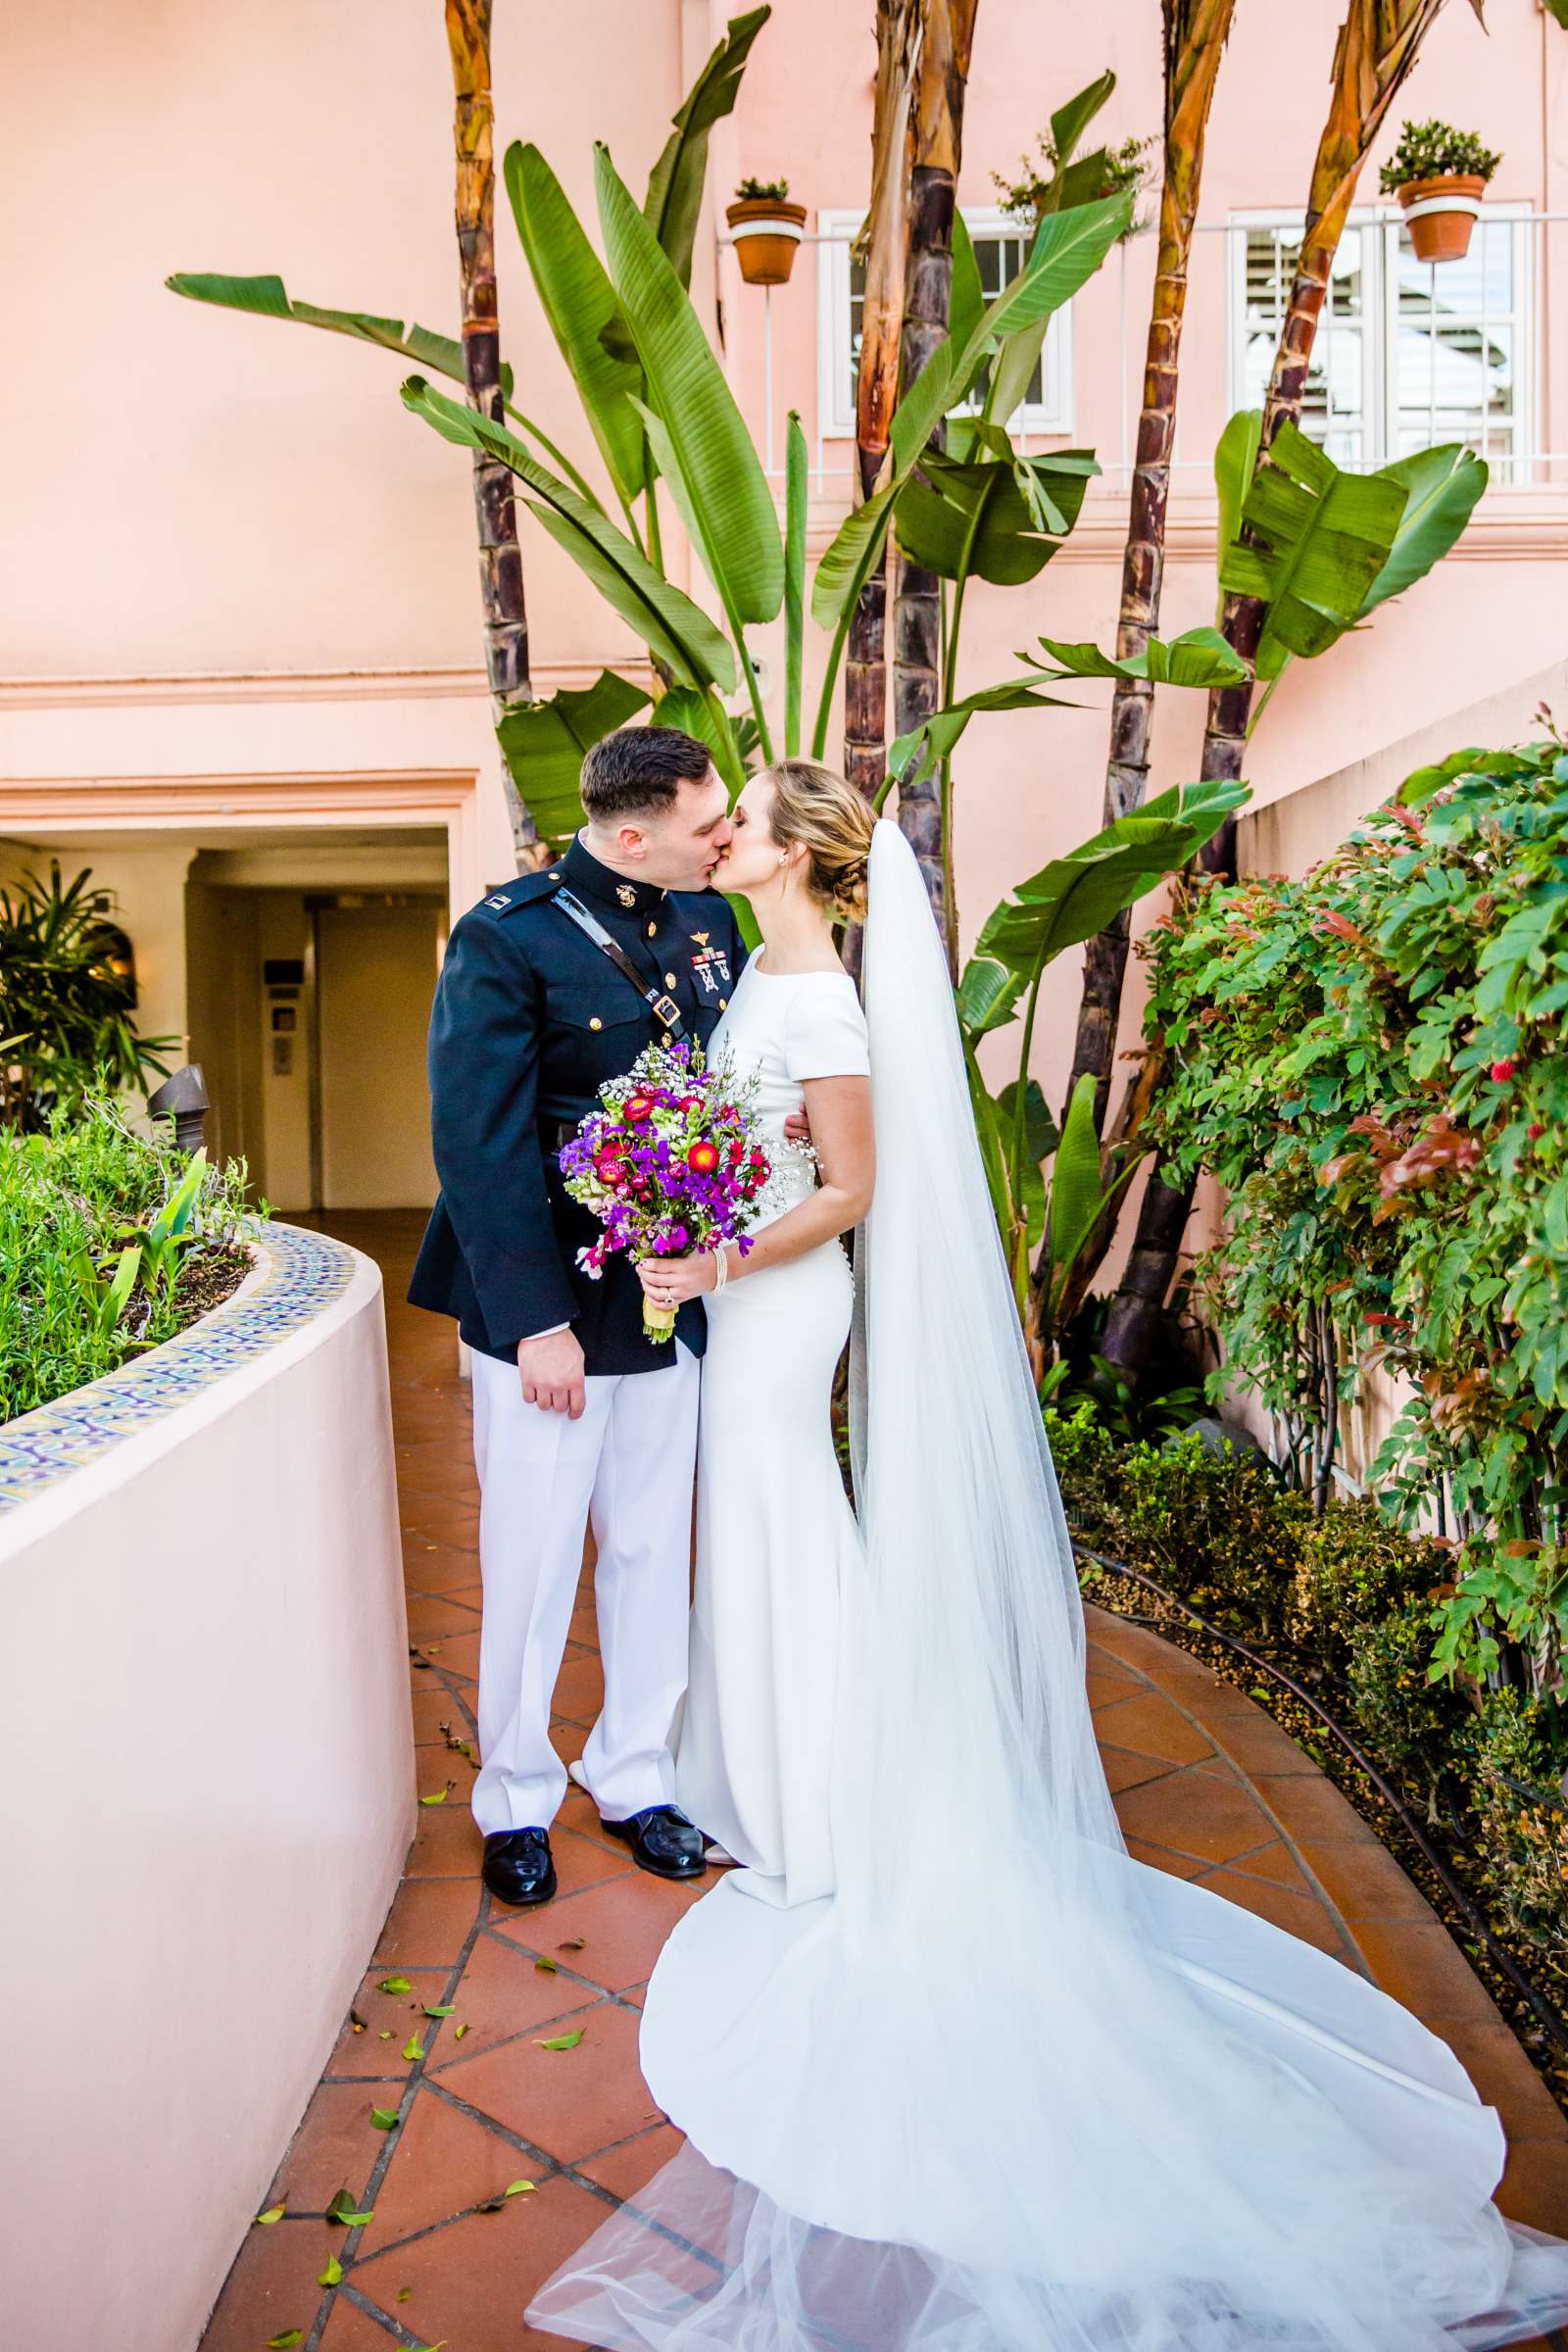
(1196, 33)
(928, 286)
(506, 625)
(887, 231)
(1378, 44)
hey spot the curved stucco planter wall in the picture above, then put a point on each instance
(208, 1788)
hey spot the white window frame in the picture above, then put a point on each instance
(1050, 415)
(1514, 460)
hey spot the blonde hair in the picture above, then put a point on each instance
(815, 806)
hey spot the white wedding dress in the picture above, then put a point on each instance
(967, 2077)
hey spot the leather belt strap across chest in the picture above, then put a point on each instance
(666, 1009)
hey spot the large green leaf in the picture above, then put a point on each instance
(674, 199)
(966, 299)
(1319, 539)
(850, 557)
(1075, 1188)
(936, 737)
(704, 716)
(1067, 250)
(544, 745)
(1073, 896)
(1234, 463)
(973, 518)
(675, 630)
(796, 489)
(1198, 658)
(724, 485)
(1071, 183)
(1441, 487)
(581, 305)
(266, 297)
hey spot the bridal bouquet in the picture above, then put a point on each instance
(671, 1165)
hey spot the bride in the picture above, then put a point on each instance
(956, 2074)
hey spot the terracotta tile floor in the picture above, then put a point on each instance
(1207, 1786)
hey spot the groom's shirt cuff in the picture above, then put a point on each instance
(548, 1334)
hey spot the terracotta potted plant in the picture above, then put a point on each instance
(1440, 175)
(767, 228)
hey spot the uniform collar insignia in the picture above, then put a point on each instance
(602, 887)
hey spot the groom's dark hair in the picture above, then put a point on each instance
(638, 770)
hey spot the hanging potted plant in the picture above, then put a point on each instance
(1440, 175)
(767, 227)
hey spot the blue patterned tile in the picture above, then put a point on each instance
(305, 1273)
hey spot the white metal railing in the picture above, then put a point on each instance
(1406, 355)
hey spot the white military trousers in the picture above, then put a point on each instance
(627, 1465)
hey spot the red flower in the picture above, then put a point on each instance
(1502, 1071)
(737, 1152)
(1535, 1132)
(638, 1108)
(701, 1158)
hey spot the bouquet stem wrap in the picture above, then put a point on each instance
(673, 1163)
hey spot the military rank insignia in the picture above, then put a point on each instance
(711, 966)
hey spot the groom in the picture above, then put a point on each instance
(552, 985)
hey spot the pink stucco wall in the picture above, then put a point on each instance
(201, 509)
(207, 1745)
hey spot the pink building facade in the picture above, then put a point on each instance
(242, 668)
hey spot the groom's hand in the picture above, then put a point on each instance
(552, 1373)
(798, 1127)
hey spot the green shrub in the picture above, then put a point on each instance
(1343, 1602)
(1417, 1729)
(1354, 1568)
(72, 1203)
(1518, 1797)
(1214, 1529)
(65, 1005)
(1372, 1063)
(1436, 151)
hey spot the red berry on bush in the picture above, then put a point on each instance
(1535, 1131)
(1502, 1071)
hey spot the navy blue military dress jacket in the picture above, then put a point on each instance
(531, 1020)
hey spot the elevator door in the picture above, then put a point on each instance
(375, 976)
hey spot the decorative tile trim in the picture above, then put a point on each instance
(302, 1274)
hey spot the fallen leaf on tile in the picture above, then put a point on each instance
(273, 2212)
(394, 1985)
(413, 2049)
(333, 2272)
(562, 2042)
(439, 2008)
(343, 2210)
(386, 2119)
(546, 1968)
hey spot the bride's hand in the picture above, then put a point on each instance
(671, 1281)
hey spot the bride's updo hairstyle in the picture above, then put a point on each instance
(814, 806)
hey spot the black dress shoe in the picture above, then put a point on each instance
(663, 1840)
(517, 1866)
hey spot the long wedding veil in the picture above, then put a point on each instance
(1010, 2090)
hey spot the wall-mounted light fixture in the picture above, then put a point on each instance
(116, 961)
